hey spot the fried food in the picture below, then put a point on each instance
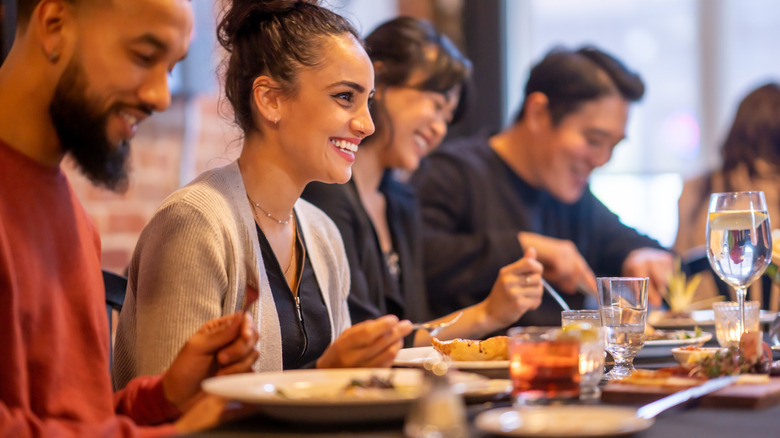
(494, 348)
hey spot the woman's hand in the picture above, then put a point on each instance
(221, 346)
(372, 343)
(517, 290)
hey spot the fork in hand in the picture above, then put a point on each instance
(435, 327)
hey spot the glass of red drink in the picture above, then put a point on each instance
(544, 365)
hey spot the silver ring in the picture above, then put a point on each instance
(526, 280)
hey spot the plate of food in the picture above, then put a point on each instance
(324, 396)
(487, 357)
(660, 342)
(697, 318)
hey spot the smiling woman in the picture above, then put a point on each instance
(299, 82)
(421, 84)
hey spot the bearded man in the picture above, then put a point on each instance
(79, 78)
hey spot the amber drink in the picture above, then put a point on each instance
(544, 365)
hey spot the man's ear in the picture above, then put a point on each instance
(50, 21)
(537, 112)
(268, 98)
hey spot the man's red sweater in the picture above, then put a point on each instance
(54, 372)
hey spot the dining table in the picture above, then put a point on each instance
(689, 420)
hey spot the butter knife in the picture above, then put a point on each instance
(650, 410)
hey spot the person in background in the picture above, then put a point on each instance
(80, 77)
(751, 161)
(488, 199)
(299, 82)
(421, 79)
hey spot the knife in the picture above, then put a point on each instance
(650, 410)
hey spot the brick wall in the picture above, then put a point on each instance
(154, 174)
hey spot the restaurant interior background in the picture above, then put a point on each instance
(698, 59)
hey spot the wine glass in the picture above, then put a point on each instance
(739, 241)
(623, 307)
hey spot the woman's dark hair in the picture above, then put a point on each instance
(570, 79)
(755, 132)
(274, 38)
(403, 46)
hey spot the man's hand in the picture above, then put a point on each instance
(564, 266)
(221, 346)
(654, 263)
(517, 290)
(372, 343)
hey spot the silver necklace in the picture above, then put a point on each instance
(267, 214)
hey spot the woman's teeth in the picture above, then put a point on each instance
(343, 144)
(421, 143)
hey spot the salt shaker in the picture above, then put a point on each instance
(439, 413)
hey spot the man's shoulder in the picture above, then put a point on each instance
(467, 154)
(464, 148)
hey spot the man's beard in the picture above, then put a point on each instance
(82, 130)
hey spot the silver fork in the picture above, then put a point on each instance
(434, 328)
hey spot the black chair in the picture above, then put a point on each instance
(115, 285)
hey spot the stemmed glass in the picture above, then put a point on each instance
(739, 241)
(623, 307)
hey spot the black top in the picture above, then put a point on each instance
(305, 334)
(374, 288)
(474, 205)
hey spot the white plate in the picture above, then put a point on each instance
(317, 396)
(691, 339)
(663, 347)
(415, 357)
(658, 319)
(562, 421)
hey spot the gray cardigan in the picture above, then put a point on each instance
(193, 263)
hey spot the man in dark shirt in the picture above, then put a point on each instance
(485, 199)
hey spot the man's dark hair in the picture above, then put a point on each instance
(570, 79)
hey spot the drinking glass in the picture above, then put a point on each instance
(569, 317)
(544, 365)
(727, 321)
(739, 241)
(623, 307)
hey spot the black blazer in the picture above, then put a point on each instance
(372, 293)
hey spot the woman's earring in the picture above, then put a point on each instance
(54, 56)
(276, 120)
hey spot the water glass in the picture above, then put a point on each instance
(623, 307)
(592, 354)
(727, 316)
(544, 365)
(739, 241)
(569, 317)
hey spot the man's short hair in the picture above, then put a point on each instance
(570, 79)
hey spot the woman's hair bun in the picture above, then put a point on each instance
(243, 15)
